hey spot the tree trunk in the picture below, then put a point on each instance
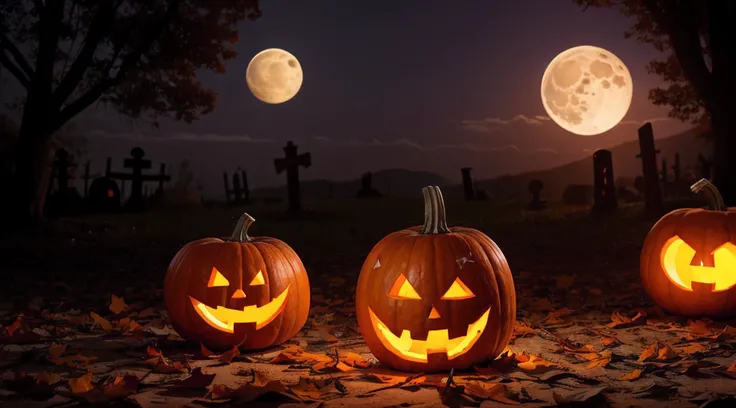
(723, 122)
(32, 168)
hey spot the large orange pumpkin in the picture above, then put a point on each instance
(432, 298)
(688, 260)
(247, 291)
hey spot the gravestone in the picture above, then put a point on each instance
(578, 194)
(239, 194)
(604, 190)
(291, 164)
(104, 195)
(535, 188)
(65, 200)
(137, 164)
(653, 206)
(366, 187)
(468, 187)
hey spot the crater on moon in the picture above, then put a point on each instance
(586, 90)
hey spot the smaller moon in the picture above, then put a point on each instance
(587, 90)
(274, 76)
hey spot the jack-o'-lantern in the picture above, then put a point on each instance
(688, 260)
(242, 290)
(432, 298)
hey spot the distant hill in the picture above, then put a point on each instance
(392, 182)
(625, 166)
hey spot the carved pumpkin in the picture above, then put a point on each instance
(688, 260)
(247, 291)
(432, 298)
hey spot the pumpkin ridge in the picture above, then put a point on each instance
(293, 276)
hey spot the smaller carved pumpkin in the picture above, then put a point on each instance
(688, 260)
(433, 298)
(247, 291)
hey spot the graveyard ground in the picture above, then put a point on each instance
(587, 335)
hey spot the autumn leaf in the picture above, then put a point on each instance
(81, 384)
(355, 360)
(609, 340)
(541, 305)
(489, 391)
(619, 321)
(228, 356)
(44, 377)
(100, 321)
(666, 353)
(699, 328)
(295, 354)
(564, 282)
(521, 329)
(693, 348)
(631, 376)
(602, 359)
(578, 396)
(196, 380)
(205, 351)
(314, 390)
(117, 304)
(332, 367)
(532, 363)
(649, 353)
(731, 368)
(385, 378)
(248, 392)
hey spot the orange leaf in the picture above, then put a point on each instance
(246, 392)
(355, 360)
(45, 377)
(630, 376)
(601, 360)
(666, 353)
(490, 391)
(533, 363)
(101, 321)
(694, 348)
(699, 327)
(55, 352)
(608, 340)
(385, 378)
(732, 367)
(649, 352)
(82, 384)
(117, 304)
(229, 355)
(521, 329)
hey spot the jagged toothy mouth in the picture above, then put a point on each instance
(224, 319)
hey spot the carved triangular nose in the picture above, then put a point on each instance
(239, 294)
(434, 314)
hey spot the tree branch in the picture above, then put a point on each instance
(17, 72)
(17, 55)
(73, 109)
(677, 19)
(98, 29)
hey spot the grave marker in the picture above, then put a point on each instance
(468, 187)
(137, 164)
(535, 188)
(291, 164)
(604, 190)
(240, 193)
(366, 187)
(653, 206)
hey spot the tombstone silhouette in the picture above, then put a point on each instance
(535, 188)
(291, 164)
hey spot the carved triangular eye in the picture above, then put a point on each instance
(258, 280)
(458, 291)
(216, 279)
(402, 289)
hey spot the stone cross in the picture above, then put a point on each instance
(604, 190)
(137, 164)
(653, 206)
(291, 164)
(468, 187)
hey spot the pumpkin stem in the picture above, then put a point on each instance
(435, 220)
(240, 234)
(714, 196)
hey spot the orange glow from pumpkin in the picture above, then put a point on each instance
(437, 340)
(402, 289)
(676, 261)
(224, 319)
(458, 290)
(216, 279)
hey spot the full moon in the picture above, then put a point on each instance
(274, 76)
(587, 90)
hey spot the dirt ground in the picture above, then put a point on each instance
(83, 320)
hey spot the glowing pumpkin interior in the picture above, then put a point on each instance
(437, 341)
(224, 319)
(677, 262)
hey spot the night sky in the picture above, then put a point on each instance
(394, 84)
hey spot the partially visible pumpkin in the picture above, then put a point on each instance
(433, 298)
(247, 291)
(688, 260)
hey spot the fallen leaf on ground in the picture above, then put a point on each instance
(578, 396)
(196, 380)
(117, 304)
(81, 384)
(100, 321)
(631, 376)
(493, 391)
(314, 390)
(248, 392)
(355, 360)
